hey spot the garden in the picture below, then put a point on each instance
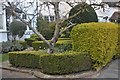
(91, 47)
(88, 45)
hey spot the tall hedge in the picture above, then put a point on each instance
(97, 39)
(118, 47)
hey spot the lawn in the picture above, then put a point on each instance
(3, 57)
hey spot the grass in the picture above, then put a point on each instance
(3, 57)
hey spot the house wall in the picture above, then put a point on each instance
(3, 31)
(108, 12)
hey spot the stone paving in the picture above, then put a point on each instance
(110, 71)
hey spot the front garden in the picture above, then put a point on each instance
(91, 47)
(75, 44)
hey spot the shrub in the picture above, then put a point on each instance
(63, 38)
(17, 46)
(118, 45)
(7, 46)
(29, 59)
(34, 36)
(29, 41)
(61, 63)
(17, 28)
(39, 45)
(86, 15)
(97, 39)
(11, 46)
(62, 45)
(45, 28)
(24, 44)
(58, 63)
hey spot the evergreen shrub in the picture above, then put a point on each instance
(57, 63)
(97, 39)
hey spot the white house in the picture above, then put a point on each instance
(3, 30)
(48, 14)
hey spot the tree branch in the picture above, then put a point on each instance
(34, 30)
(71, 17)
(66, 28)
(70, 4)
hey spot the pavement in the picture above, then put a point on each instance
(13, 74)
(110, 71)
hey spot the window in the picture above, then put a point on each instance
(1, 21)
(52, 18)
(24, 16)
(46, 18)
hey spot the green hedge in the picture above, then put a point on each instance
(97, 39)
(24, 44)
(39, 45)
(62, 45)
(63, 38)
(58, 63)
(62, 63)
(29, 59)
(118, 47)
(29, 41)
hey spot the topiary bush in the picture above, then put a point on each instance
(86, 15)
(97, 39)
(58, 63)
(17, 28)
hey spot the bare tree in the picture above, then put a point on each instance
(15, 11)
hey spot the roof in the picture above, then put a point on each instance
(110, 0)
(115, 16)
(113, 4)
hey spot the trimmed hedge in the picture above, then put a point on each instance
(118, 47)
(58, 63)
(29, 41)
(97, 39)
(29, 59)
(62, 63)
(24, 44)
(63, 38)
(39, 45)
(62, 45)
